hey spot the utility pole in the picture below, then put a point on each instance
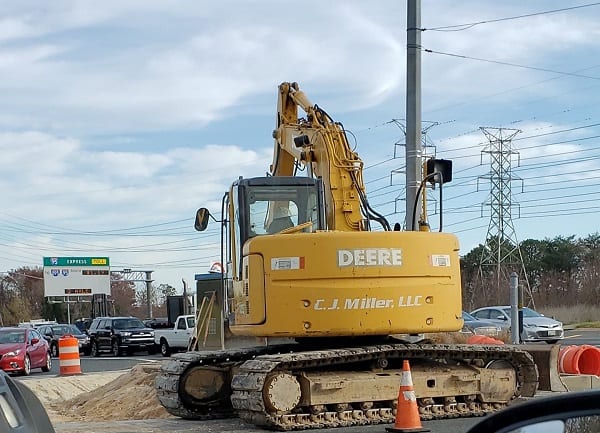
(414, 151)
(149, 292)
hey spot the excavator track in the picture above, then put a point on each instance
(258, 384)
(263, 388)
(181, 379)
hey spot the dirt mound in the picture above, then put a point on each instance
(100, 397)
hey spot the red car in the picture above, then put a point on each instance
(22, 349)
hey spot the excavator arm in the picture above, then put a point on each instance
(318, 145)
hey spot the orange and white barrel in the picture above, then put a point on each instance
(68, 355)
(583, 359)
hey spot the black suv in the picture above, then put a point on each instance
(118, 335)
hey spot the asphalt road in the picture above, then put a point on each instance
(107, 363)
(104, 363)
(582, 336)
(460, 425)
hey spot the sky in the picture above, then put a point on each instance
(119, 119)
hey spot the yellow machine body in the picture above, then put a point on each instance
(328, 284)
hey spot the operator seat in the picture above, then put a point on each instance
(279, 224)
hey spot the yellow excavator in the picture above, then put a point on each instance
(321, 299)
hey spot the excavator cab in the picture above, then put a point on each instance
(270, 205)
(257, 208)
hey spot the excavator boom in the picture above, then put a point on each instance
(319, 146)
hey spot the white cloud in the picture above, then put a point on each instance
(206, 74)
(35, 153)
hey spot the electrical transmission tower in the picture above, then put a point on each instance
(501, 252)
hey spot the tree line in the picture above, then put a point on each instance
(562, 271)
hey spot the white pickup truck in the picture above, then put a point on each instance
(177, 338)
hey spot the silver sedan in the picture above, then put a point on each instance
(536, 327)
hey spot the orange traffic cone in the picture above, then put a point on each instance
(407, 412)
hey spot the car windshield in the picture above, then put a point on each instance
(66, 329)
(128, 324)
(12, 336)
(527, 312)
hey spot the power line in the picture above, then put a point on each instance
(575, 128)
(461, 27)
(516, 65)
(514, 89)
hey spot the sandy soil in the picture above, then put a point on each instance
(126, 395)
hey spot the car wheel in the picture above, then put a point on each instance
(115, 348)
(26, 366)
(54, 350)
(95, 349)
(46, 368)
(87, 351)
(551, 341)
(165, 350)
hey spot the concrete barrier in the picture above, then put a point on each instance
(546, 358)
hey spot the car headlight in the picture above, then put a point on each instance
(486, 330)
(528, 325)
(13, 353)
(152, 333)
(126, 334)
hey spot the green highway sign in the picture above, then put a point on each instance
(76, 276)
(76, 261)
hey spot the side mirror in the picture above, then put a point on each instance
(501, 317)
(201, 219)
(20, 409)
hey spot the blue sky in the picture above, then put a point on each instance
(118, 119)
